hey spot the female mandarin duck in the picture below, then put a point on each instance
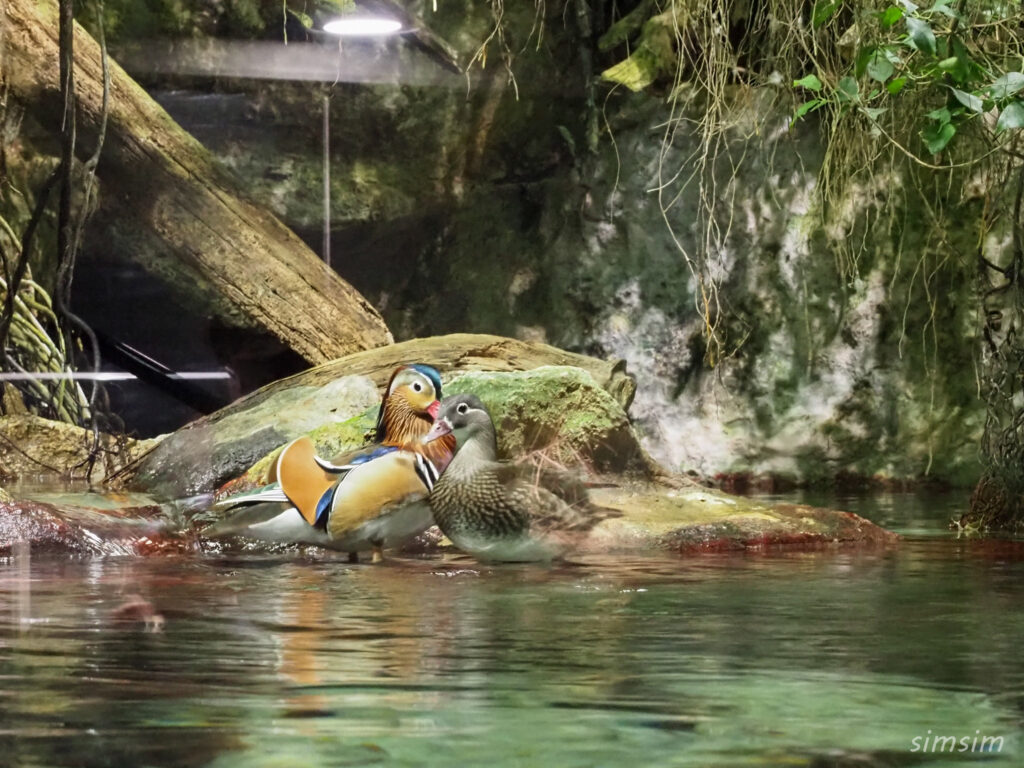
(497, 511)
(371, 498)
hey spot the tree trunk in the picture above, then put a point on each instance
(167, 206)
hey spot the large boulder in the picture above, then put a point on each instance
(323, 400)
(559, 411)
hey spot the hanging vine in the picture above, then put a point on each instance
(44, 345)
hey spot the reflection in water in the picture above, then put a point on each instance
(827, 658)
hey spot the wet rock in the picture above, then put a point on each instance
(96, 526)
(332, 402)
(690, 519)
(35, 449)
(695, 519)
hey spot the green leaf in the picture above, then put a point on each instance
(896, 85)
(568, 138)
(637, 71)
(823, 11)
(880, 68)
(942, 6)
(921, 35)
(936, 137)
(1007, 85)
(1011, 117)
(623, 30)
(890, 16)
(807, 107)
(848, 90)
(864, 56)
(947, 64)
(811, 82)
(303, 18)
(942, 115)
(874, 112)
(969, 100)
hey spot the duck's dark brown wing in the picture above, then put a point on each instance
(554, 499)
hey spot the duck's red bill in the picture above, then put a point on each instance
(433, 408)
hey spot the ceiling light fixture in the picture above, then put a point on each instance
(362, 26)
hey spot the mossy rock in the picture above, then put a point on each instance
(695, 519)
(559, 410)
(206, 453)
(36, 449)
(556, 409)
(323, 400)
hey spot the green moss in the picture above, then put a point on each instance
(554, 408)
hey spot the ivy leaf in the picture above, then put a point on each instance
(908, 6)
(848, 90)
(880, 68)
(874, 112)
(1007, 85)
(890, 16)
(807, 107)
(864, 56)
(936, 137)
(896, 85)
(921, 35)
(969, 100)
(942, 115)
(823, 11)
(303, 18)
(1012, 116)
(811, 82)
(942, 6)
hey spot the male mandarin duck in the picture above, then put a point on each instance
(370, 498)
(500, 511)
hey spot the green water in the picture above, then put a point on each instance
(807, 658)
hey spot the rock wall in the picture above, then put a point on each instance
(530, 209)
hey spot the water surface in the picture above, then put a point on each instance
(802, 658)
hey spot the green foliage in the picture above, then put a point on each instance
(654, 56)
(954, 71)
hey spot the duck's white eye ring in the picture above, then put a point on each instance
(417, 386)
(463, 408)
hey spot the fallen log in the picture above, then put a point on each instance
(166, 205)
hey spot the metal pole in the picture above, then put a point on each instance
(327, 179)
